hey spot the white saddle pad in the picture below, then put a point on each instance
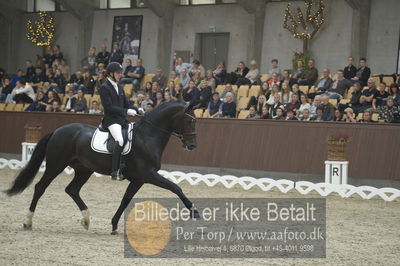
(99, 141)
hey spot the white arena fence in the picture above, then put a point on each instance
(265, 184)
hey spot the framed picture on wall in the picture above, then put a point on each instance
(127, 31)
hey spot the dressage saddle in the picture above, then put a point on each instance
(111, 141)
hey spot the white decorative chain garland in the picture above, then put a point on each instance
(247, 182)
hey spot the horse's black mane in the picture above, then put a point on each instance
(162, 107)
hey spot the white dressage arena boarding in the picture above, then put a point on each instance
(265, 184)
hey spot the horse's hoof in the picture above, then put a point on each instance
(85, 223)
(27, 227)
(114, 232)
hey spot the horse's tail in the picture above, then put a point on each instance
(25, 177)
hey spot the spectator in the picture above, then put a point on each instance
(128, 69)
(275, 91)
(350, 70)
(290, 115)
(277, 104)
(81, 103)
(211, 82)
(49, 76)
(35, 106)
(167, 96)
(159, 98)
(191, 93)
(228, 107)
(149, 107)
(214, 105)
(65, 70)
(339, 86)
(76, 80)
(324, 83)
(160, 78)
(5, 89)
(228, 89)
(265, 90)
(146, 101)
(47, 103)
(184, 78)
(173, 77)
(103, 57)
(304, 105)
(286, 78)
(48, 57)
(265, 113)
(57, 54)
(348, 116)
(90, 61)
(95, 109)
(179, 92)
(220, 73)
(390, 112)
(100, 68)
(252, 77)
(205, 94)
(367, 117)
(30, 71)
(240, 72)
(338, 117)
(314, 106)
(171, 88)
(294, 105)
(273, 80)
(135, 75)
(148, 86)
(380, 96)
(354, 100)
(280, 114)
(328, 109)
(367, 97)
(394, 92)
(319, 114)
(275, 68)
(197, 71)
(296, 90)
(363, 73)
(298, 72)
(310, 75)
(259, 103)
(55, 107)
(58, 82)
(70, 101)
(101, 78)
(88, 83)
(22, 93)
(305, 115)
(286, 93)
(18, 77)
(116, 55)
(180, 65)
(253, 113)
(154, 90)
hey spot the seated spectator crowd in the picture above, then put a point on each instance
(350, 95)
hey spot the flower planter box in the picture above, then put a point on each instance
(337, 150)
(33, 133)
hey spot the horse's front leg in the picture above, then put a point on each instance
(131, 190)
(160, 181)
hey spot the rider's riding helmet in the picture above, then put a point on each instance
(114, 67)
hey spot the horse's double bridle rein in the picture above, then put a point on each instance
(181, 136)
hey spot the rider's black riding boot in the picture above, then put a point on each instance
(116, 173)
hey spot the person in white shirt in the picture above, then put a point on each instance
(23, 93)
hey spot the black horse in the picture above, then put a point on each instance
(69, 145)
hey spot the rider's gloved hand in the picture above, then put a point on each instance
(131, 112)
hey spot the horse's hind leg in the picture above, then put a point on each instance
(160, 181)
(82, 175)
(48, 176)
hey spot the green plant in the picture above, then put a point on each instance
(301, 56)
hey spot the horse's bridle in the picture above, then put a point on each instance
(181, 136)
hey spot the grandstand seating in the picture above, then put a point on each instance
(255, 90)
(198, 113)
(243, 114)
(243, 91)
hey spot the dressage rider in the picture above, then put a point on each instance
(116, 108)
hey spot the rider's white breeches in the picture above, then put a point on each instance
(116, 132)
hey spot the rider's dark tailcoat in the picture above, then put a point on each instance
(115, 105)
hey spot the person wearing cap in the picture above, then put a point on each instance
(116, 108)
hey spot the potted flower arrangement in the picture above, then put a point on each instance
(302, 56)
(33, 132)
(337, 146)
